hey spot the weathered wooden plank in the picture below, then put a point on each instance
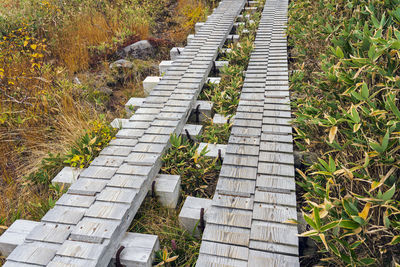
(274, 233)
(274, 213)
(224, 250)
(231, 217)
(284, 199)
(236, 202)
(259, 258)
(227, 234)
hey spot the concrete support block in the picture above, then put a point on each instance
(190, 37)
(253, 3)
(221, 119)
(67, 176)
(139, 250)
(232, 38)
(167, 189)
(215, 80)
(150, 82)
(189, 217)
(251, 9)
(164, 66)
(220, 64)
(133, 104)
(243, 18)
(204, 110)
(175, 52)
(213, 149)
(226, 51)
(15, 235)
(198, 26)
(194, 130)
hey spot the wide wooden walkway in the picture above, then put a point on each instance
(247, 223)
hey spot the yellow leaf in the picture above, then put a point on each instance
(332, 134)
(33, 46)
(356, 127)
(165, 254)
(322, 236)
(364, 213)
(172, 259)
(25, 43)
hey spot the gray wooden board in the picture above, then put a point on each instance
(227, 234)
(259, 258)
(224, 250)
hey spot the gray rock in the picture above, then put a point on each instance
(106, 90)
(141, 49)
(121, 64)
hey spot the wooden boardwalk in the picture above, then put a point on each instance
(247, 222)
(89, 221)
(255, 196)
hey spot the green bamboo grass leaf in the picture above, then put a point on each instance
(395, 240)
(389, 194)
(329, 226)
(391, 102)
(309, 220)
(339, 52)
(364, 91)
(317, 219)
(348, 224)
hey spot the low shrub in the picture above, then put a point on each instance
(346, 102)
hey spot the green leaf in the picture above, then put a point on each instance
(329, 226)
(332, 165)
(367, 261)
(364, 91)
(339, 52)
(349, 208)
(348, 224)
(375, 146)
(310, 221)
(389, 194)
(385, 140)
(395, 240)
(317, 218)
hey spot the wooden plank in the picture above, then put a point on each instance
(48, 232)
(224, 250)
(259, 258)
(274, 233)
(284, 199)
(127, 181)
(237, 202)
(65, 215)
(274, 247)
(231, 217)
(273, 213)
(107, 210)
(227, 234)
(235, 187)
(276, 169)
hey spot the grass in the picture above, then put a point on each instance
(346, 102)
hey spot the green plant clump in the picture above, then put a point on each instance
(80, 155)
(346, 89)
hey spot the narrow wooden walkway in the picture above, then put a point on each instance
(255, 196)
(89, 221)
